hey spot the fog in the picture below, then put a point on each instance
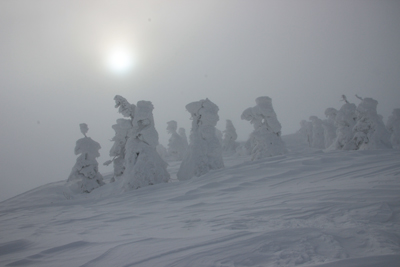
(302, 54)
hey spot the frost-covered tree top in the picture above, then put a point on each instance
(85, 176)
(346, 116)
(182, 132)
(230, 131)
(369, 130)
(344, 98)
(124, 107)
(143, 124)
(177, 145)
(367, 108)
(344, 121)
(263, 114)
(395, 114)
(84, 128)
(306, 131)
(205, 151)
(204, 112)
(87, 146)
(121, 129)
(143, 165)
(265, 140)
(330, 114)
(249, 115)
(230, 136)
(172, 126)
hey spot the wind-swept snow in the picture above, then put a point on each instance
(304, 208)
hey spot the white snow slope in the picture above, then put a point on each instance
(307, 208)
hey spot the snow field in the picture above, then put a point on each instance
(305, 208)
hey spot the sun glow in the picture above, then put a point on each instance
(119, 60)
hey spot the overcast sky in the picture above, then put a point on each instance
(302, 54)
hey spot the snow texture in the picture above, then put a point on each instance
(143, 165)
(305, 208)
(205, 151)
(393, 125)
(265, 140)
(177, 146)
(85, 174)
(229, 143)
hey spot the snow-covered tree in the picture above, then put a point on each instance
(182, 133)
(124, 107)
(266, 137)
(84, 128)
(306, 131)
(85, 175)
(143, 165)
(229, 143)
(241, 149)
(122, 128)
(318, 139)
(176, 144)
(249, 145)
(393, 125)
(369, 132)
(219, 135)
(205, 151)
(344, 122)
(162, 151)
(117, 151)
(329, 126)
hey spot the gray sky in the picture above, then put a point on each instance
(302, 54)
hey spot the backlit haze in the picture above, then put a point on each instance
(62, 63)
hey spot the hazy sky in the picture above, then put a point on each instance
(302, 54)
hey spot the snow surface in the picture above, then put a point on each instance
(305, 208)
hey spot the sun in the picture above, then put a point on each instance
(119, 59)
